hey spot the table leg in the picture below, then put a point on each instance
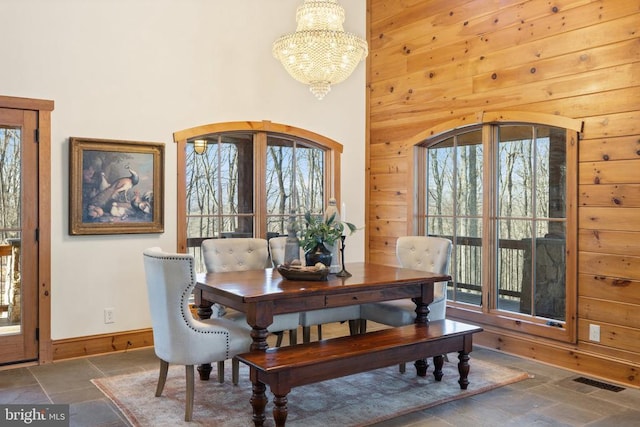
(422, 310)
(259, 336)
(421, 367)
(259, 317)
(422, 313)
(204, 312)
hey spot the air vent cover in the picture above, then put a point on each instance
(598, 384)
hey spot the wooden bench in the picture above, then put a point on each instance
(286, 367)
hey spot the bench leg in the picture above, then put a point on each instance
(463, 369)
(280, 409)
(258, 403)
(438, 363)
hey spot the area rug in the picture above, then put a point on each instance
(356, 400)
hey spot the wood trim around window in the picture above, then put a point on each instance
(332, 168)
(514, 322)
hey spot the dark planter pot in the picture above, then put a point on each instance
(319, 254)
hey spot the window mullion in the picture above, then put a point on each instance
(534, 216)
(260, 184)
(489, 215)
(220, 214)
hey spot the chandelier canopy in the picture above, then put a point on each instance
(320, 53)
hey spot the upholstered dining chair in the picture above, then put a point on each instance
(315, 317)
(178, 337)
(242, 254)
(277, 248)
(424, 253)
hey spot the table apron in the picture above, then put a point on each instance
(351, 298)
(316, 302)
(293, 305)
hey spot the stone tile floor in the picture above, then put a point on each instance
(551, 398)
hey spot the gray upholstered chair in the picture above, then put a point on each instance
(419, 253)
(179, 338)
(277, 247)
(315, 317)
(242, 254)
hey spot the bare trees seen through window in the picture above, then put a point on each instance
(527, 205)
(9, 182)
(221, 183)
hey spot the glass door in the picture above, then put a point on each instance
(18, 236)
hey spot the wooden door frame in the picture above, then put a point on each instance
(43, 110)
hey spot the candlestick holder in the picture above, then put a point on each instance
(343, 272)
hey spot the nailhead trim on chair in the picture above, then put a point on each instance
(185, 298)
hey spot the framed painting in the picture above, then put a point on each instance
(115, 187)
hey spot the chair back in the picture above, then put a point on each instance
(235, 254)
(177, 336)
(426, 253)
(277, 247)
(278, 250)
(170, 280)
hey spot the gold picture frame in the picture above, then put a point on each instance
(115, 187)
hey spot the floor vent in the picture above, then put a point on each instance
(598, 384)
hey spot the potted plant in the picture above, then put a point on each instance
(317, 233)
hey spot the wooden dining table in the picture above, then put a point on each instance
(261, 294)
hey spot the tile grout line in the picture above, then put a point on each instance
(35, 377)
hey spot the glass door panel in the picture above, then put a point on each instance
(10, 177)
(454, 209)
(18, 245)
(531, 221)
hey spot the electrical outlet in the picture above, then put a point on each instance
(109, 316)
(594, 333)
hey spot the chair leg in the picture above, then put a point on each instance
(235, 371)
(354, 327)
(279, 340)
(306, 333)
(363, 326)
(221, 372)
(188, 411)
(293, 336)
(162, 378)
(403, 368)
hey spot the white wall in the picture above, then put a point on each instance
(140, 70)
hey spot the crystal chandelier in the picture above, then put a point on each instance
(320, 53)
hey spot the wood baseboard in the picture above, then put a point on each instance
(563, 355)
(101, 344)
(581, 361)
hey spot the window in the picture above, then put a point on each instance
(501, 193)
(219, 184)
(295, 180)
(454, 178)
(248, 179)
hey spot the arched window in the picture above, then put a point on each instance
(504, 190)
(246, 179)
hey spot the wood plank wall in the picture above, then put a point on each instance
(434, 61)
